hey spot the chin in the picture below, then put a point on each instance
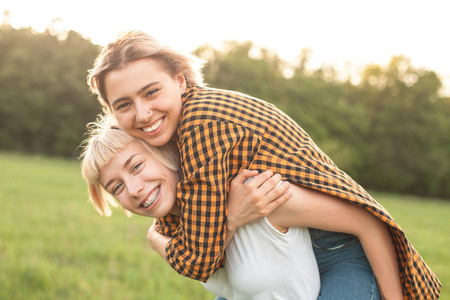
(157, 142)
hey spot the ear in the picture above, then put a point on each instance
(181, 82)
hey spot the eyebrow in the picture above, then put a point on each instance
(138, 92)
(125, 165)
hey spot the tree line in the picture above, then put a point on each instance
(389, 131)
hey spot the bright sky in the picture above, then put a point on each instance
(339, 33)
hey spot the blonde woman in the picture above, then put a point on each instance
(120, 169)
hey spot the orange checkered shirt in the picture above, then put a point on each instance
(223, 132)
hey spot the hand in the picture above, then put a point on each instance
(153, 234)
(251, 200)
(157, 241)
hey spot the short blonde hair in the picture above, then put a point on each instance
(136, 45)
(104, 143)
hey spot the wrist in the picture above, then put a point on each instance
(231, 226)
(152, 240)
(153, 236)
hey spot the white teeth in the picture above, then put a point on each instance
(151, 199)
(154, 127)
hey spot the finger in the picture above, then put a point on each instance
(271, 183)
(277, 202)
(246, 174)
(259, 179)
(277, 191)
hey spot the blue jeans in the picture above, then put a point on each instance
(345, 272)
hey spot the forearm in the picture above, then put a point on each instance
(380, 252)
(230, 234)
(308, 208)
(158, 241)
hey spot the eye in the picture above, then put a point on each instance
(137, 167)
(151, 92)
(123, 105)
(117, 189)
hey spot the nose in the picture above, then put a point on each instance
(135, 189)
(144, 112)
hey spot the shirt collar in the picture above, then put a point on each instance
(190, 91)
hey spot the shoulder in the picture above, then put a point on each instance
(203, 105)
(225, 105)
(213, 96)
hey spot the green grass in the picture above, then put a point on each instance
(426, 222)
(53, 245)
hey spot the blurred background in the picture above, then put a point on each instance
(370, 82)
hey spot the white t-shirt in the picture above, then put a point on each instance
(263, 263)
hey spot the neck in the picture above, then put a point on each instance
(175, 210)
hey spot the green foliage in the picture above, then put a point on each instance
(244, 68)
(389, 132)
(45, 103)
(407, 133)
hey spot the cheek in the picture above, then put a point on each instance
(121, 201)
(175, 112)
(174, 185)
(125, 120)
(126, 203)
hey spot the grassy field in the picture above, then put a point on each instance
(53, 245)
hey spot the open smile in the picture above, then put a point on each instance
(151, 199)
(154, 127)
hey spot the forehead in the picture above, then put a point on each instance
(133, 77)
(146, 67)
(134, 148)
(118, 162)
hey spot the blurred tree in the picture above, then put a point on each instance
(243, 67)
(406, 120)
(45, 102)
(389, 132)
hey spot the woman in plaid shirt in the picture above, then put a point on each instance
(157, 94)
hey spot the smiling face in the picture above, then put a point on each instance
(140, 182)
(146, 100)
